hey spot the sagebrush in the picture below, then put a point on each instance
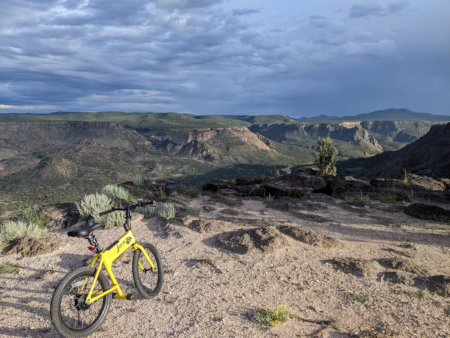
(115, 191)
(92, 205)
(14, 231)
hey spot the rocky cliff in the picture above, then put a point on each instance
(429, 155)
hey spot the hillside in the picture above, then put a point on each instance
(429, 155)
(62, 156)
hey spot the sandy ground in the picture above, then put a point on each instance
(220, 299)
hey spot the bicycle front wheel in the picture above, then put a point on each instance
(70, 315)
(148, 279)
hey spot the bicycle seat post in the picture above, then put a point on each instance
(93, 241)
(127, 224)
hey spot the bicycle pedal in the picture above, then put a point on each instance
(129, 296)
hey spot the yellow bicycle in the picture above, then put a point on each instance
(81, 301)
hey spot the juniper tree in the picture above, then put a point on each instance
(326, 158)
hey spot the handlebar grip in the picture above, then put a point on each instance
(142, 204)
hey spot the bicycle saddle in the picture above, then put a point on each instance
(84, 232)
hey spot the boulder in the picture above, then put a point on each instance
(249, 180)
(428, 212)
(341, 186)
(426, 183)
(217, 184)
(61, 216)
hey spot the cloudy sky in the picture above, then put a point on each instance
(292, 57)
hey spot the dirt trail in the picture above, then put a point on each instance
(211, 292)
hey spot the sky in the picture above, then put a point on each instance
(290, 57)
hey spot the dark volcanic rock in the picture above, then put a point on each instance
(217, 184)
(248, 180)
(61, 216)
(252, 240)
(309, 236)
(428, 212)
(295, 185)
(341, 186)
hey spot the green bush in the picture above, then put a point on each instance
(92, 205)
(365, 199)
(387, 197)
(269, 198)
(116, 218)
(148, 212)
(138, 180)
(272, 317)
(167, 211)
(193, 211)
(32, 216)
(114, 191)
(326, 158)
(14, 231)
(194, 193)
(8, 268)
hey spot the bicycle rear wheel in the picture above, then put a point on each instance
(148, 281)
(70, 315)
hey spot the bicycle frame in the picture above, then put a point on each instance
(107, 258)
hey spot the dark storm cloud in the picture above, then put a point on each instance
(245, 11)
(185, 4)
(205, 57)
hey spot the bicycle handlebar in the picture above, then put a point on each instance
(139, 203)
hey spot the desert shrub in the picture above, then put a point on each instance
(365, 199)
(405, 178)
(167, 211)
(8, 268)
(15, 230)
(349, 198)
(272, 317)
(421, 294)
(194, 193)
(387, 197)
(269, 198)
(32, 216)
(361, 298)
(116, 218)
(325, 159)
(92, 205)
(138, 180)
(148, 212)
(162, 194)
(193, 211)
(114, 191)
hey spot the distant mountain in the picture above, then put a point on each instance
(429, 155)
(384, 115)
